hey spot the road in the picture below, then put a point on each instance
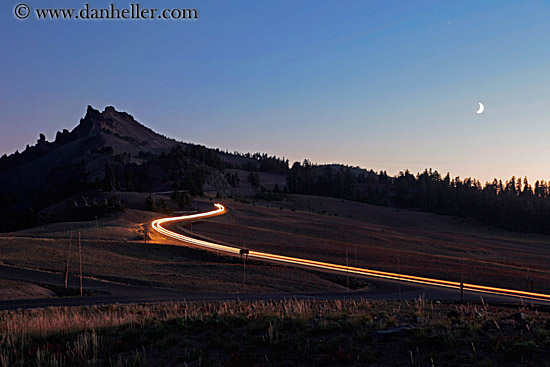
(105, 292)
(434, 286)
(388, 286)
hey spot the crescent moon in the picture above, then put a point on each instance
(480, 109)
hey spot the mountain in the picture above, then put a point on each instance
(121, 131)
(96, 168)
(107, 150)
(98, 138)
(110, 152)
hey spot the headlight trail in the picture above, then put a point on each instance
(157, 226)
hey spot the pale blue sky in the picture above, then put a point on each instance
(381, 84)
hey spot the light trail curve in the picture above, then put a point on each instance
(220, 209)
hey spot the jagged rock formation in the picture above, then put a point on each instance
(108, 151)
(76, 160)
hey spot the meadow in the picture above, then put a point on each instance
(113, 249)
(277, 333)
(382, 238)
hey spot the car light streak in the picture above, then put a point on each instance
(220, 209)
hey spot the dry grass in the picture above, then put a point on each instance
(291, 332)
(111, 250)
(374, 237)
(10, 289)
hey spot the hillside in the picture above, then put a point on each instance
(110, 152)
(93, 156)
(83, 171)
(382, 238)
(97, 140)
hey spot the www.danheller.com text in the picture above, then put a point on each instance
(112, 11)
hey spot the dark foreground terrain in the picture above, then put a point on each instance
(282, 333)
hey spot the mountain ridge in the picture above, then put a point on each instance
(76, 160)
(99, 125)
(110, 152)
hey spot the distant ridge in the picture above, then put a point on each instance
(110, 152)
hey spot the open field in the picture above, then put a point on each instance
(283, 333)
(10, 289)
(376, 237)
(309, 227)
(112, 249)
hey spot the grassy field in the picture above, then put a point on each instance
(303, 226)
(375, 237)
(283, 333)
(10, 289)
(112, 249)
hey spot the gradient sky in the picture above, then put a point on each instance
(381, 84)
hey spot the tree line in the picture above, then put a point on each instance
(514, 204)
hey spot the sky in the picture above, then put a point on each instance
(385, 85)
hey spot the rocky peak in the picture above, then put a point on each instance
(110, 121)
(119, 124)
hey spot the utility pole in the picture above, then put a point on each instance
(97, 230)
(347, 270)
(530, 282)
(66, 273)
(80, 253)
(355, 260)
(462, 282)
(399, 275)
(245, 253)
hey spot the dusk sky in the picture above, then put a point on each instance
(384, 85)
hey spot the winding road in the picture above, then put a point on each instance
(388, 285)
(482, 290)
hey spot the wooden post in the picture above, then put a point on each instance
(97, 230)
(66, 274)
(462, 282)
(355, 260)
(244, 252)
(347, 270)
(80, 253)
(399, 275)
